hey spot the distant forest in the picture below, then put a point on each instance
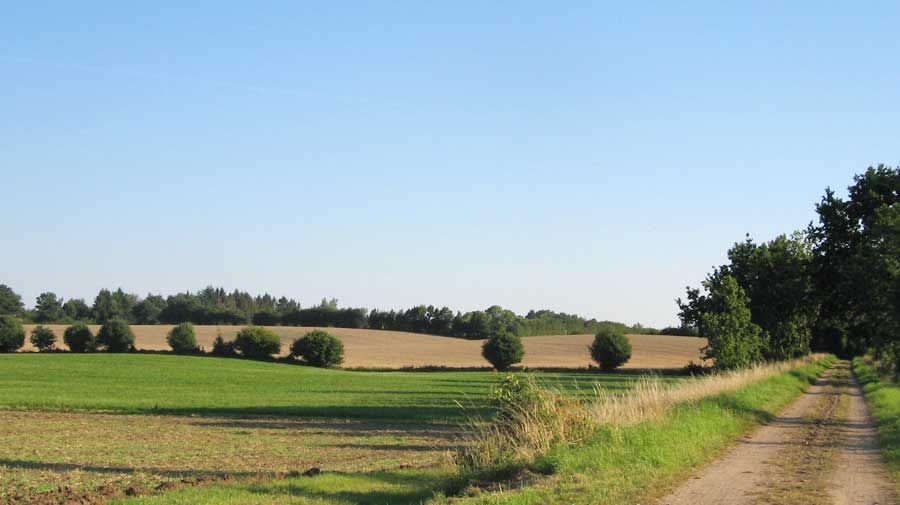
(218, 306)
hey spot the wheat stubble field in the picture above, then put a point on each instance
(396, 349)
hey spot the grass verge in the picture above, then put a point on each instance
(883, 399)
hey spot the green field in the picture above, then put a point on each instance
(168, 384)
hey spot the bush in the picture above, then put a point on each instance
(43, 338)
(611, 349)
(696, 368)
(223, 348)
(503, 349)
(79, 338)
(319, 348)
(116, 336)
(12, 335)
(182, 339)
(257, 342)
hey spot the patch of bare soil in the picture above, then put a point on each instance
(803, 457)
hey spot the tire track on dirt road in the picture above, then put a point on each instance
(822, 449)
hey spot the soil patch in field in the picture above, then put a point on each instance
(86, 454)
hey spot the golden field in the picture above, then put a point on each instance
(394, 349)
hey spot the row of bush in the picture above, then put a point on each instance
(610, 348)
(114, 336)
(317, 348)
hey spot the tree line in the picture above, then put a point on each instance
(218, 306)
(833, 287)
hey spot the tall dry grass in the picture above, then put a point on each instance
(541, 418)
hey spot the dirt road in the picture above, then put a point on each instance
(823, 449)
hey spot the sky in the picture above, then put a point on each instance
(586, 157)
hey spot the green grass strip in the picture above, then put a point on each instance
(883, 399)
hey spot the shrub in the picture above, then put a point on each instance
(116, 336)
(503, 349)
(319, 348)
(611, 349)
(696, 368)
(43, 338)
(79, 338)
(182, 338)
(223, 348)
(257, 342)
(12, 335)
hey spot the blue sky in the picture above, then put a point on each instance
(587, 157)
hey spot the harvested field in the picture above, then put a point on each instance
(395, 349)
(41, 451)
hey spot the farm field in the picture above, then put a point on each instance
(118, 421)
(394, 349)
(135, 383)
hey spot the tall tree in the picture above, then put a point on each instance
(734, 341)
(855, 256)
(10, 301)
(777, 278)
(47, 308)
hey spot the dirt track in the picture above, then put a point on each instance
(821, 449)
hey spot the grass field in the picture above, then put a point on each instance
(85, 421)
(152, 383)
(395, 349)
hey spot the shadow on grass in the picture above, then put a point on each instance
(377, 488)
(400, 415)
(165, 472)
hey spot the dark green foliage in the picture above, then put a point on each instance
(79, 338)
(326, 316)
(12, 335)
(680, 331)
(10, 302)
(43, 338)
(223, 348)
(266, 318)
(611, 349)
(734, 341)
(503, 349)
(257, 342)
(319, 348)
(48, 308)
(857, 266)
(109, 305)
(148, 310)
(75, 309)
(777, 277)
(182, 339)
(116, 336)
